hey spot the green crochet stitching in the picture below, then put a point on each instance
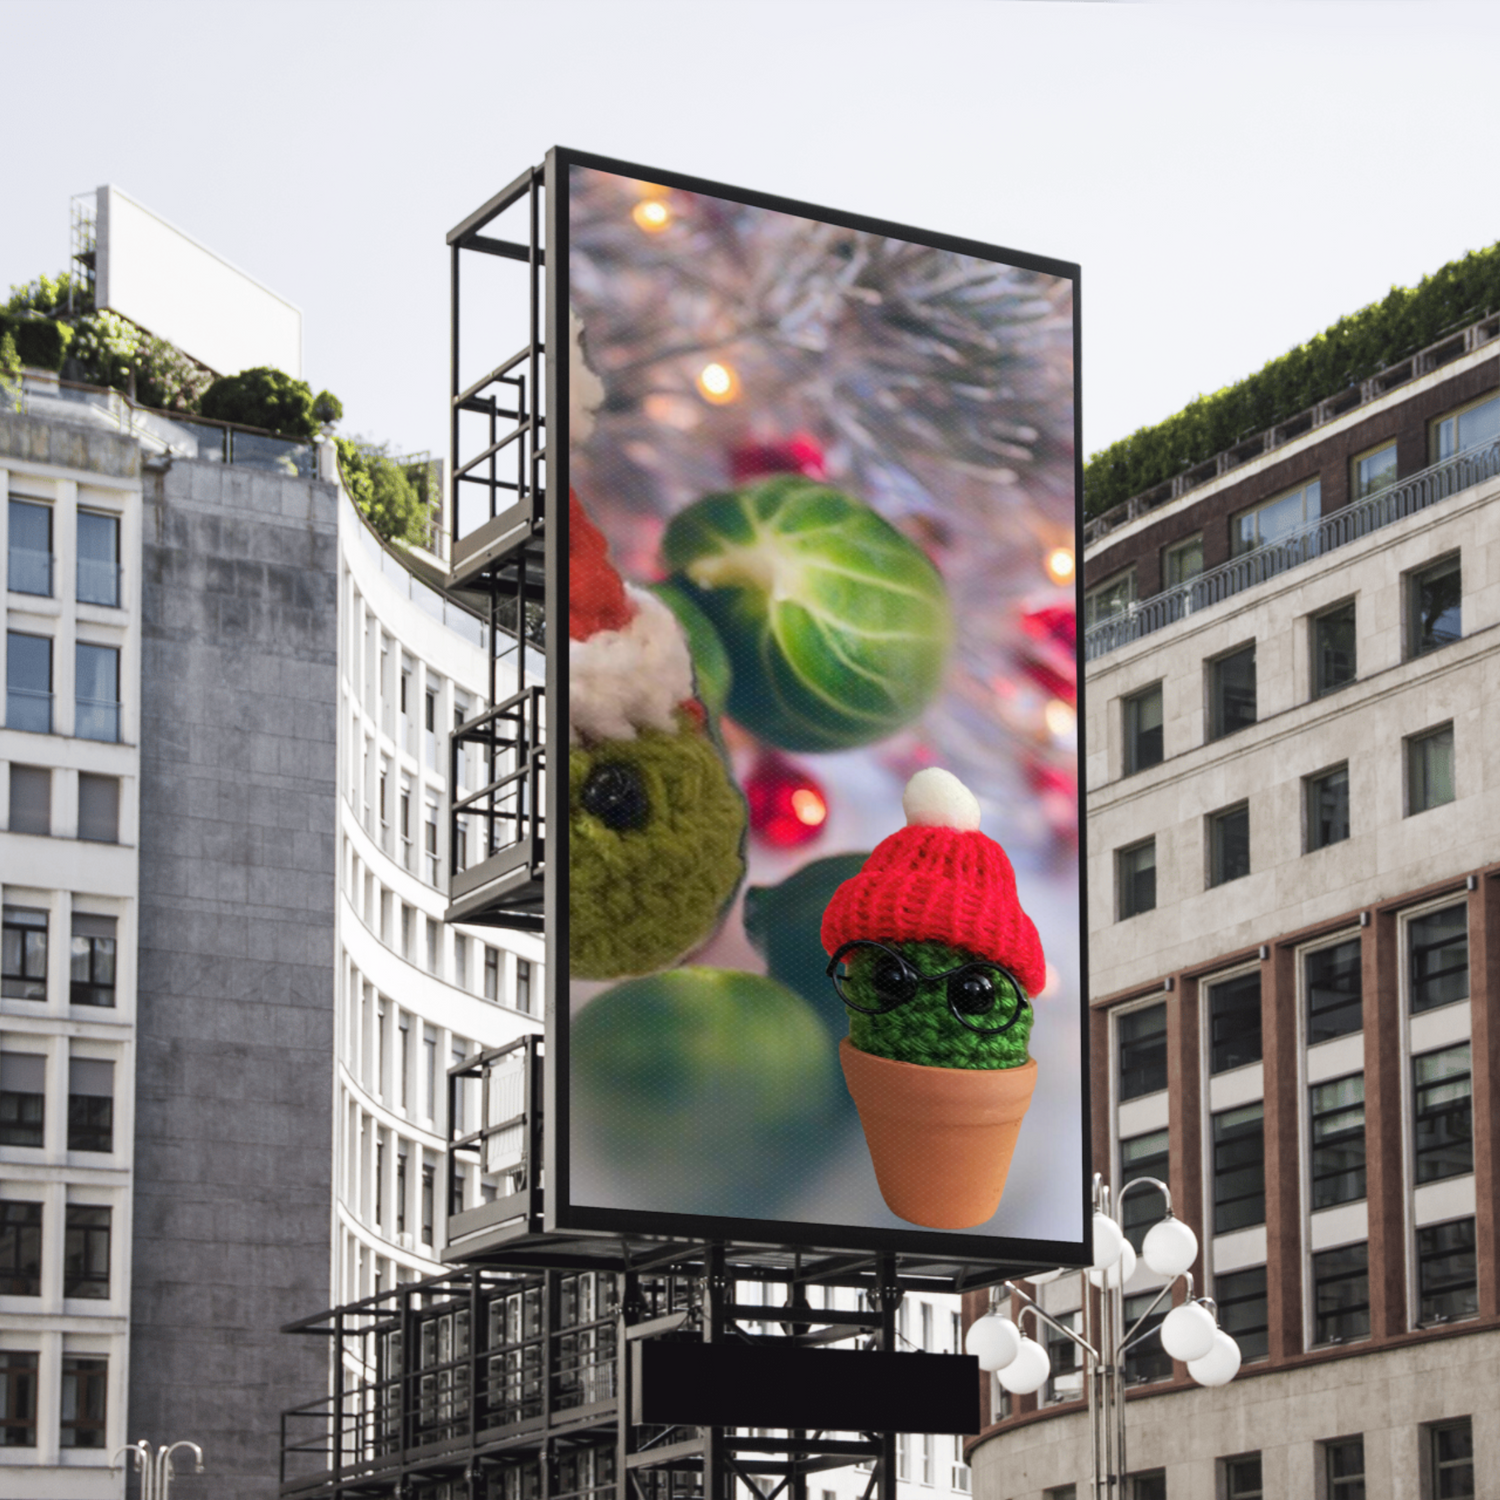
(656, 835)
(924, 1029)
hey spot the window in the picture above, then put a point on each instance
(98, 808)
(1142, 1156)
(1062, 1492)
(432, 946)
(1439, 946)
(1109, 599)
(427, 1204)
(430, 838)
(491, 973)
(1373, 472)
(1234, 1022)
(28, 682)
(1135, 879)
(460, 960)
(1241, 1296)
(1334, 651)
(23, 1098)
(91, 1105)
(1447, 1287)
(1443, 1111)
(927, 1464)
(30, 570)
(1429, 770)
(1336, 1171)
(1476, 424)
(20, 1248)
(1242, 1478)
(98, 694)
(1229, 844)
(1152, 1486)
(1239, 1168)
(1326, 804)
(1143, 746)
(1231, 693)
(1345, 1465)
(1334, 998)
(403, 1061)
(379, 1183)
(400, 1192)
(1143, 1051)
(523, 986)
(1341, 1294)
(30, 799)
(23, 954)
(1434, 607)
(84, 1382)
(1065, 1380)
(17, 1398)
(1147, 1360)
(1276, 518)
(92, 980)
(86, 1252)
(98, 559)
(1451, 1446)
(1183, 562)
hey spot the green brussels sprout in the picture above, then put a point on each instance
(837, 627)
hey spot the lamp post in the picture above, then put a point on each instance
(1190, 1332)
(157, 1469)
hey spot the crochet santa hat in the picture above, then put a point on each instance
(939, 880)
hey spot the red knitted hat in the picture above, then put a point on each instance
(939, 880)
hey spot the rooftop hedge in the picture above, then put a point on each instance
(1355, 348)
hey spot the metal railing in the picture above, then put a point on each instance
(509, 807)
(1349, 524)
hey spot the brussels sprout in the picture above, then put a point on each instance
(837, 627)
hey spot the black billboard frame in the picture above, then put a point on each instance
(561, 1215)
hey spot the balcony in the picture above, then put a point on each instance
(1315, 539)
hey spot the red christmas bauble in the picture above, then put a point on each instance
(799, 454)
(787, 806)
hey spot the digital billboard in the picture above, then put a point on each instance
(818, 974)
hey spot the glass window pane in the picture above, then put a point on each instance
(1234, 1022)
(1184, 562)
(1443, 1110)
(1430, 766)
(1334, 651)
(1143, 1051)
(1136, 877)
(1341, 1282)
(1447, 1274)
(1480, 424)
(1232, 693)
(1334, 997)
(1239, 1167)
(30, 799)
(1229, 845)
(1337, 1168)
(98, 808)
(1143, 730)
(98, 559)
(1142, 1156)
(30, 562)
(98, 693)
(1374, 472)
(28, 696)
(1436, 606)
(1439, 943)
(1241, 1296)
(1327, 808)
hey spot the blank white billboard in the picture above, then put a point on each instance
(167, 283)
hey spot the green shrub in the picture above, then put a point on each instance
(103, 350)
(10, 372)
(40, 342)
(263, 397)
(383, 491)
(166, 378)
(1354, 349)
(327, 408)
(49, 294)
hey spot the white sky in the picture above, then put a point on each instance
(1231, 178)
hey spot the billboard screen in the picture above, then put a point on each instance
(166, 282)
(818, 971)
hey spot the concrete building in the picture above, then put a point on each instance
(229, 1001)
(1293, 700)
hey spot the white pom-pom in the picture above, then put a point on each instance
(935, 798)
(585, 389)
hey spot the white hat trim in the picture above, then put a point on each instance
(623, 681)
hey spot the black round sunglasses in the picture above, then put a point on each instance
(971, 992)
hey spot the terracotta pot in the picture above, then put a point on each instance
(941, 1139)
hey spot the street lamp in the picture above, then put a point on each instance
(157, 1469)
(1190, 1332)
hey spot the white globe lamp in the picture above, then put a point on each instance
(993, 1341)
(1170, 1247)
(1220, 1365)
(1028, 1371)
(1120, 1272)
(1187, 1332)
(1108, 1238)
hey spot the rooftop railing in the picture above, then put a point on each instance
(1348, 524)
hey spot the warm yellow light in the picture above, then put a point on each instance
(809, 807)
(1061, 719)
(651, 215)
(718, 383)
(1060, 565)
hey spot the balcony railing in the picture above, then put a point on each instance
(1343, 526)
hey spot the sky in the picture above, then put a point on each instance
(1231, 178)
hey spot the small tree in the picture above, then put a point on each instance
(263, 397)
(383, 491)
